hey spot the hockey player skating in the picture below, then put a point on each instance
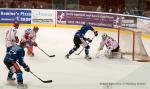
(12, 60)
(11, 35)
(28, 39)
(80, 39)
(111, 44)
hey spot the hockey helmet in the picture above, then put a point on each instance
(16, 24)
(104, 36)
(36, 28)
(87, 22)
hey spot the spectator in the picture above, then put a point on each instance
(119, 11)
(136, 12)
(6, 5)
(99, 9)
(110, 10)
(41, 6)
(24, 6)
(2, 4)
(126, 11)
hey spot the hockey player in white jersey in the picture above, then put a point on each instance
(111, 44)
(28, 39)
(11, 35)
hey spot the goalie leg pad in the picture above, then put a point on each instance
(108, 54)
(87, 50)
(117, 55)
(113, 54)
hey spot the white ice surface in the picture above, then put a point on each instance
(76, 72)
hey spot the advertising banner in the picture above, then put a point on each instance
(43, 16)
(95, 19)
(9, 16)
(129, 22)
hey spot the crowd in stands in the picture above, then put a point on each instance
(45, 4)
(32, 4)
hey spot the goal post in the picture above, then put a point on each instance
(131, 44)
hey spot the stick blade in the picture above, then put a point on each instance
(76, 53)
(48, 81)
(52, 55)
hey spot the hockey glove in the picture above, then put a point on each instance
(26, 68)
(89, 40)
(35, 44)
(96, 33)
(17, 39)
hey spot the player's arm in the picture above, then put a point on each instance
(13, 36)
(92, 29)
(7, 33)
(32, 38)
(21, 62)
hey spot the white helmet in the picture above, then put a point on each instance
(104, 36)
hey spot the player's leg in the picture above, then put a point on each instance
(19, 77)
(16, 69)
(10, 73)
(87, 52)
(77, 43)
(29, 46)
(30, 51)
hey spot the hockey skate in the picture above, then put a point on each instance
(67, 56)
(20, 85)
(87, 57)
(31, 54)
(11, 79)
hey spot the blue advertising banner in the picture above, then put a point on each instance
(9, 16)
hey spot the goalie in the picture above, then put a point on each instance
(112, 46)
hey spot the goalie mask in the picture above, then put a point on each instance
(104, 36)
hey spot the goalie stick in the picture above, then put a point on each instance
(45, 52)
(84, 47)
(47, 81)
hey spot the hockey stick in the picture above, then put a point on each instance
(45, 52)
(47, 81)
(84, 47)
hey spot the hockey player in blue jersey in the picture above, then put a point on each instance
(12, 60)
(80, 39)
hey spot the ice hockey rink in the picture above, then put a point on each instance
(76, 72)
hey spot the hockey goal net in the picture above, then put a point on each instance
(131, 44)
